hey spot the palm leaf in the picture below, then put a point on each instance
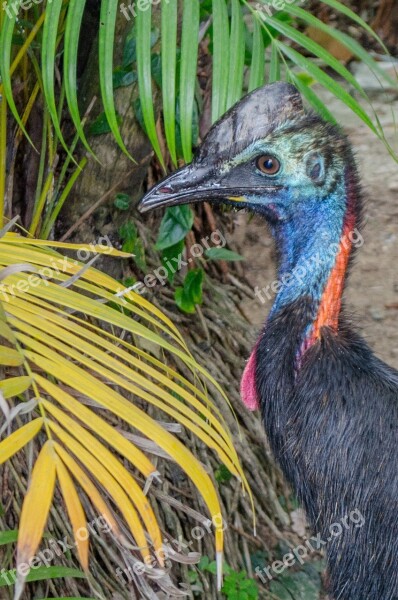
(109, 10)
(189, 54)
(169, 50)
(65, 357)
(143, 28)
(220, 58)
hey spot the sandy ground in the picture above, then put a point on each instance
(372, 292)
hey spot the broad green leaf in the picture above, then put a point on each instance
(189, 54)
(8, 537)
(130, 48)
(191, 293)
(170, 259)
(220, 58)
(101, 124)
(122, 201)
(123, 77)
(169, 57)
(156, 68)
(175, 225)
(222, 254)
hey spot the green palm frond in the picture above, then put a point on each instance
(248, 44)
(60, 327)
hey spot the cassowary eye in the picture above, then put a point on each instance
(268, 164)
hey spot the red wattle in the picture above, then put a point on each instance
(248, 389)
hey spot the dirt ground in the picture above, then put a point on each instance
(372, 292)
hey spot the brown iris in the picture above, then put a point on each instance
(268, 164)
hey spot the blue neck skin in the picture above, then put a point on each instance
(308, 243)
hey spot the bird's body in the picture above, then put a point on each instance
(329, 406)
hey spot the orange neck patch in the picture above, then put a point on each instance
(330, 304)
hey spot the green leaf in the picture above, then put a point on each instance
(189, 54)
(220, 58)
(330, 84)
(101, 124)
(8, 537)
(317, 50)
(169, 54)
(139, 255)
(236, 55)
(128, 234)
(73, 25)
(222, 474)
(42, 574)
(143, 25)
(274, 67)
(170, 258)
(130, 48)
(130, 45)
(222, 254)
(341, 8)
(109, 11)
(191, 293)
(296, 585)
(312, 98)
(156, 68)
(347, 41)
(48, 56)
(175, 225)
(195, 127)
(6, 44)
(257, 70)
(132, 244)
(122, 201)
(123, 77)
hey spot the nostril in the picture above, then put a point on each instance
(165, 190)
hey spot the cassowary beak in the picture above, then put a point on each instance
(187, 185)
(252, 118)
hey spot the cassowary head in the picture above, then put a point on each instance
(265, 154)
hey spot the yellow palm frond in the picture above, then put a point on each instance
(61, 324)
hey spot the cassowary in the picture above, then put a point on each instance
(329, 405)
